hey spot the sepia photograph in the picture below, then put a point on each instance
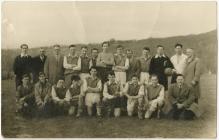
(107, 69)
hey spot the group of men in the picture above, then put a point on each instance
(115, 83)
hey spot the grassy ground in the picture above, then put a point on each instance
(66, 126)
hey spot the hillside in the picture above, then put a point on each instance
(205, 45)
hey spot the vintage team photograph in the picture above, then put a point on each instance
(128, 69)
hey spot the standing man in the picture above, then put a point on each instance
(94, 55)
(105, 62)
(121, 65)
(71, 64)
(159, 65)
(145, 61)
(179, 61)
(192, 72)
(85, 63)
(182, 99)
(22, 65)
(92, 88)
(38, 64)
(54, 65)
(134, 65)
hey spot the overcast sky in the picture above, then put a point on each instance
(48, 23)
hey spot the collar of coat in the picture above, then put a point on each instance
(156, 56)
(24, 55)
(142, 57)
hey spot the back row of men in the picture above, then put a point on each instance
(126, 67)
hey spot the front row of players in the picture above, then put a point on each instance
(147, 101)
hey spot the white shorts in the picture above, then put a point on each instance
(84, 75)
(92, 98)
(121, 76)
(144, 77)
(131, 104)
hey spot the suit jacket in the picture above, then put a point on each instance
(42, 92)
(193, 72)
(53, 68)
(134, 68)
(38, 65)
(185, 96)
(22, 65)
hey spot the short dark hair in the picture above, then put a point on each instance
(177, 75)
(25, 76)
(160, 46)
(134, 75)
(94, 49)
(56, 45)
(42, 73)
(75, 78)
(119, 46)
(105, 42)
(128, 50)
(180, 45)
(61, 78)
(71, 46)
(84, 47)
(146, 48)
(111, 73)
(23, 45)
(154, 75)
(93, 67)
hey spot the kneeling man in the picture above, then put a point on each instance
(134, 91)
(74, 96)
(61, 104)
(154, 97)
(92, 89)
(183, 101)
(112, 95)
(43, 98)
(25, 97)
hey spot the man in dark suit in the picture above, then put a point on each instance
(38, 64)
(22, 65)
(158, 65)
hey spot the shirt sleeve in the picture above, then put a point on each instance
(126, 64)
(54, 96)
(68, 96)
(141, 91)
(99, 59)
(161, 95)
(78, 67)
(99, 85)
(105, 92)
(125, 90)
(84, 86)
(65, 64)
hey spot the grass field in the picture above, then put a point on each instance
(204, 127)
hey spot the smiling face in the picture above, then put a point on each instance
(84, 51)
(60, 83)
(154, 80)
(179, 80)
(145, 52)
(111, 78)
(24, 49)
(189, 52)
(42, 52)
(25, 80)
(93, 72)
(135, 80)
(94, 53)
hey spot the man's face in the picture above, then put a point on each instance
(119, 50)
(111, 78)
(60, 83)
(154, 80)
(105, 46)
(93, 72)
(24, 49)
(72, 50)
(145, 52)
(57, 50)
(25, 80)
(160, 50)
(129, 54)
(178, 50)
(135, 80)
(84, 51)
(42, 52)
(42, 78)
(94, 53)
(180, 80)
(189, 52)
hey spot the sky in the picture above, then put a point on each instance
(49, 23)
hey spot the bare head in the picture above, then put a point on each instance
(160, 50)
(154, 80)
(56, 49)
(24, 48)
(178, 49)
(190, 52)
(146, 51)
(72, 49)
(42, 52)
(179, 79)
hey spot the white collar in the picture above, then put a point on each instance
(156, 56)
(22, 55)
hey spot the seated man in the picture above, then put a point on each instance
(154, 97)
(112, 95)
(42, 93)
(25, 97)
(61, 104)
(74, 96)
(92, 89)
(134, 91)
(182, 100)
